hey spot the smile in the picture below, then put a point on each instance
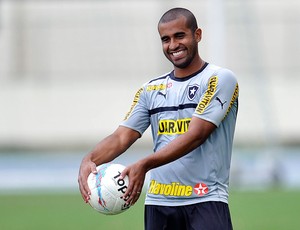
(177, 54)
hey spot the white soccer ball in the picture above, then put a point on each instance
(107, 189)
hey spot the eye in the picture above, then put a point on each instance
(165, 39)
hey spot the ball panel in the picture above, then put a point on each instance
(107, 189)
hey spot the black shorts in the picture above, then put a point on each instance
(201, 216)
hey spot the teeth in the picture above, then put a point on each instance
(177, 53)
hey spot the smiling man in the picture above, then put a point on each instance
(192, 112)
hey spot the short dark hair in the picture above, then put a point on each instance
(175, 13)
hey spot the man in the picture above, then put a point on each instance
(192, 112)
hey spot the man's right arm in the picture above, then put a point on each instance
(105, 151)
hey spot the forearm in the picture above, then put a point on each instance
(171, 152)
(182, 145)
(105, 151)
(112, 146)
(174, 150)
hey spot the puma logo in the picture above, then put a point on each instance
(222, 103)
(163, 94)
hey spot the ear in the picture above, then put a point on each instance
(198, 34)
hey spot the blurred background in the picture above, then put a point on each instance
(69, 70)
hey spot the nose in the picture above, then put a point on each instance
(173, 44)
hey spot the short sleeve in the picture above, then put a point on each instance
(220, 94)
(138, 117)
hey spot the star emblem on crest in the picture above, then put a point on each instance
(192, 89)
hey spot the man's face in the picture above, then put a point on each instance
(180, 44)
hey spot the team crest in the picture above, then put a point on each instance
(192, 89)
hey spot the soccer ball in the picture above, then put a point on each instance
(107, 189)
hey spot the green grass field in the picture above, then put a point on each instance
(272, 210)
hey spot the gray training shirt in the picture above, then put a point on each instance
(167, 104)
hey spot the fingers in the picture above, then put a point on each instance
(132, 198)
(136, 181)
(124, 173)
(135, 197)
(85, 169)
(84, 190)
(94, 168)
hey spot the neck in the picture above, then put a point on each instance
(194, 66)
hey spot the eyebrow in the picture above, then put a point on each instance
(179, 33)
(175, 35)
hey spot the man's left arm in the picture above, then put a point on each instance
(199, 130)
